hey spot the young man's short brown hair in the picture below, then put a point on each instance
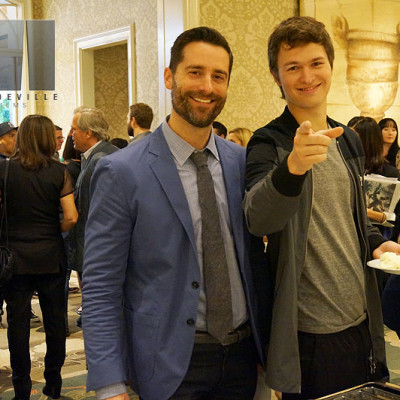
(297, 31)
(142, 113)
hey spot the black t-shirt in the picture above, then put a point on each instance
(33, 201)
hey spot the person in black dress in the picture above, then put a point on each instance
(37, 185)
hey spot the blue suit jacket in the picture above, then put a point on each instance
(140, 262)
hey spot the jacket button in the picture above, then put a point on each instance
(195, 285)
(190, 321)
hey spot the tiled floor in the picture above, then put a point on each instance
(74, 370)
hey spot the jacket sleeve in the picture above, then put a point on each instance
(107, 243)
(273, 193)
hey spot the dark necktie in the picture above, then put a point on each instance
(215, 267)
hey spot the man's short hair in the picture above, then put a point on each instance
(79, 109)
(142, 113)
(199, 34)
(93, 119)
(297, 31)
(220, 128)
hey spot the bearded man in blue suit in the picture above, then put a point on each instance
(147, 308)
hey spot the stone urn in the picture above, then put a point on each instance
(369, 31)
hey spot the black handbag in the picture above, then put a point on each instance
(6, 257)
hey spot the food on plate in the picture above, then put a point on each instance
(390, 260)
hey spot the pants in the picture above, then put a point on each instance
(50, 288)
(66, 294)
(333, 362)
(391, 304)
(219, 372)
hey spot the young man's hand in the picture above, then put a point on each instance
(310, 147)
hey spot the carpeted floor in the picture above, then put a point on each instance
(74, 370)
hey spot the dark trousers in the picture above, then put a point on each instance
(50, 289)
(391, 304)
(333, 362)
(219, 372)
(66, 294)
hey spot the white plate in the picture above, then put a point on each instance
(376, 264)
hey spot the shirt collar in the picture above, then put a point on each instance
(87, 153)
(182, 150)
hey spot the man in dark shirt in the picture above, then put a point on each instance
(139, 118)
(8, 135)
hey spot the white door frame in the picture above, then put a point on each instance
(84, 62)
(174, 16)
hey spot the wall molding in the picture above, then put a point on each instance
(191, 15)
(174, 16)
(84, 63)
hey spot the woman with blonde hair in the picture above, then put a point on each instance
(37, 185)
(240, 136)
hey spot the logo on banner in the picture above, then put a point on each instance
(40, 54)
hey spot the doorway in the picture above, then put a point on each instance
(105, 75)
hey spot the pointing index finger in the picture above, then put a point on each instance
(333, 132)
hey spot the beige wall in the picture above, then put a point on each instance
(111, 87)
(79, 18)
(253, 97)
(373, 65)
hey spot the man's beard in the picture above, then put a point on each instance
(130, 130)
(200, 117)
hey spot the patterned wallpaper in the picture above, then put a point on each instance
(88, 17)
(111, 87)
(253, 97)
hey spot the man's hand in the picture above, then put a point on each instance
(386, 246)
(122, 396)
(310, 147)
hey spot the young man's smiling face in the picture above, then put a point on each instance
(304, 74)
(200, 83)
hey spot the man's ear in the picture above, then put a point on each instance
(133, 122)
(168, 79)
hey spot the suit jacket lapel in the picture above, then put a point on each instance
(234, 185)
(85, 167)
(165, 170)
